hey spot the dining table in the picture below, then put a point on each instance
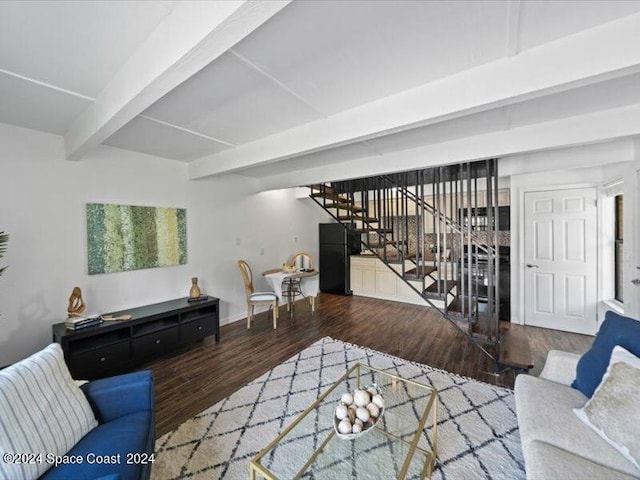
(287, 284)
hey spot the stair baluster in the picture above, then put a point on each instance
(382, 217)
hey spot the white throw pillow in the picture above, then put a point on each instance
(43, 412)
(613, 411)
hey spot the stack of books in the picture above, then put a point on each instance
(83, 321)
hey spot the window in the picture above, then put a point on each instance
(618, 261)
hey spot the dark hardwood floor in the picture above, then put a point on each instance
(200, 376)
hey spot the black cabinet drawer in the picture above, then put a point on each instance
(100, 361)
(154, 330)
(155, 343)
(197, 329)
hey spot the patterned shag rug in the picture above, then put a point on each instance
(477, 428)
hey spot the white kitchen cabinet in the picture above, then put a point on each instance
(372, 278)
(386, 283)
(363, 276)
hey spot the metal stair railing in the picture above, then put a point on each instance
(373, 249)
(468, 238)
(387, 208)
(455, 226)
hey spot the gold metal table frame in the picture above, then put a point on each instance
(257, 468)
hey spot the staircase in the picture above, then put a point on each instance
(426, 226)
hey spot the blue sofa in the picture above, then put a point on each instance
(124, 408)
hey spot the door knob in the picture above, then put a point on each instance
(636, 281)
(529, 265)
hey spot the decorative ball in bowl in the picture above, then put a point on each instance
(288, 268)
(358, 412)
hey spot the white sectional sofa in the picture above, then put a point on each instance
(556, 444)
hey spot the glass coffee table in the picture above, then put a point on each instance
(398, 445)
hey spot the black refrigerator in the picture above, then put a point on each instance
(336, 245)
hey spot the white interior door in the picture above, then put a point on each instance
(560, 259)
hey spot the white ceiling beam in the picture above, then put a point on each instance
(594, 55)
(593, 128)
(191, 37)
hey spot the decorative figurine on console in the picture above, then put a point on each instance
(195, 289)
(76, 304)
(195, 294)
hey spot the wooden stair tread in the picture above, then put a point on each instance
(476, 324)
(323, 188)
(455, 307)
(360, 218)
(413, 273)
(445, 287)
(373, 230)
(324, 191)
(481, 325)
(464, 325)
(515, 350)
(345, 206)
(334, 197)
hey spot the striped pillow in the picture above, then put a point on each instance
(42, 412)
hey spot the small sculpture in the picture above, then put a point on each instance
(195, 289)
(76, 304)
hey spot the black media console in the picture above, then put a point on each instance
(154, 330)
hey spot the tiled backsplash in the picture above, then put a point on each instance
(453, 239)
(504, 238)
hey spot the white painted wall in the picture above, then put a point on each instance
(42, 207)
(602, 154)
(632, 235)
(229, 209)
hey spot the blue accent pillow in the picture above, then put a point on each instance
(615, 330)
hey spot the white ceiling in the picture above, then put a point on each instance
(74, 45)
(232, 101)
(544, 21)
(267, 105)
(55, 57)
(337, 55)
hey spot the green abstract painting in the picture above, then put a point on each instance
(124, 237)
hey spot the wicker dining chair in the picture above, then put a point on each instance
(302, 260)
(256, 298)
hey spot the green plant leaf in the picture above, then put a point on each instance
(4, 239)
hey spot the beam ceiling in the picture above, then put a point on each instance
(591, 56)
(592, 128)
(191, 37)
